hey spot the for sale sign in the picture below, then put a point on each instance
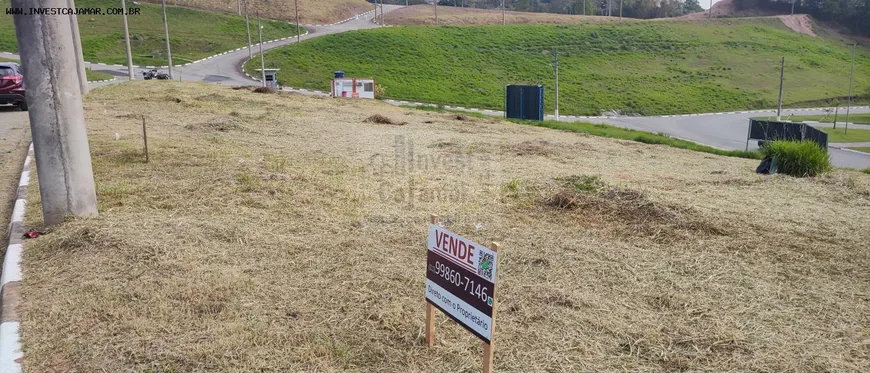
(460, 280)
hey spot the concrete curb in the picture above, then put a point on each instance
(10, 343)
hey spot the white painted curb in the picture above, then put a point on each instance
(10, 343)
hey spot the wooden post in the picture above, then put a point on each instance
(145, 137)
(430, 309)
(488, 348)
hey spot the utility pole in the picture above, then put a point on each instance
(792, 6)
(608, 7)
(57, 119)
(620, 10)
(248, 28)
(127, 40)
(168, 50)
(503, 11)
(383, 15)
(556, 66)
(436, 12)
(298, 36)
(77, 47)
(584, 6)
(710, 13)
(240, 7)
(851, 77)
(262, 58)
(781, 78)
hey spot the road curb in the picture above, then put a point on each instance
(10, 281)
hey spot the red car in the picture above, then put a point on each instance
(12, 85)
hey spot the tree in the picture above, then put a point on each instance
(692, 6)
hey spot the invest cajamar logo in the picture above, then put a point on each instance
(71, 11)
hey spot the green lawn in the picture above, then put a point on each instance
(7, 60)
(841, 117)
(663, 67)
(194, 34)
(865, 150)
(840, 135)
(604, 130)
(94, 76)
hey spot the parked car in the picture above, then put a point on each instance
(12, 85)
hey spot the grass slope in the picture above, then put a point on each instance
(194, 34)
(865, 150)
(840, 134)
(448, 15)
(310, 11)
(841, 117)
(640, 67)
(244, 246)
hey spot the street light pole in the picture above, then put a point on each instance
(168, 49)
(781, 78)
(262, 57)
(851, 77)
(127, 40)
(57, 118)
(248, 28)
(298, 36)
(556, 66)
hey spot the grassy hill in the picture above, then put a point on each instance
(660, 67)
(310, 11)
(194, 34)
(448, 15)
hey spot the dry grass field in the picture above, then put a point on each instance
(285, 233)
(310, 11)
(448, 15)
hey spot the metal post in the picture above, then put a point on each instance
(792, 6)
(298, 35)
(584, 6)
(556, 66)
(836, 111)
(168, 49)
(240, 7)
(620, 10)
(781, 78)
(262, 57)
(57, 119)
(436, 12)
(748, 134)
(77, 46)
(851, 77)
(127, 40)
(710, 12)
(503, 15)
(248, 27)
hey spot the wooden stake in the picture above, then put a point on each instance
(145, 137)
(488, 348)
(430, 309)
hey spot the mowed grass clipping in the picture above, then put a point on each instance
(277, 232)
(647, 68)
(194, 34)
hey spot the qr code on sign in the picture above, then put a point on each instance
(484, 266)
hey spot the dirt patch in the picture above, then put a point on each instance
(269, 90)
(221, 124)
(460, 117)
(380, 119)
(536, 147)
(800, 23)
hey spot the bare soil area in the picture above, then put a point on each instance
(14, 142)
(277, 232)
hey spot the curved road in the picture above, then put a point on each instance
(722, 130)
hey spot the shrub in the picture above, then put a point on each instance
(798, 158)
(866, 171)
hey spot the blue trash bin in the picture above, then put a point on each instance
(339, 74)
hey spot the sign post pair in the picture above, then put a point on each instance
(460, 281)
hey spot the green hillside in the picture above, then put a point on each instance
(660, 67)
(194, 34)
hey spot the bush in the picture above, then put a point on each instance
(798, 158)
(866, 171)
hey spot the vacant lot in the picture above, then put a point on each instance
(663, 67)
(194, 34)
(448, 15)
(310, 11)
(285, 233)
